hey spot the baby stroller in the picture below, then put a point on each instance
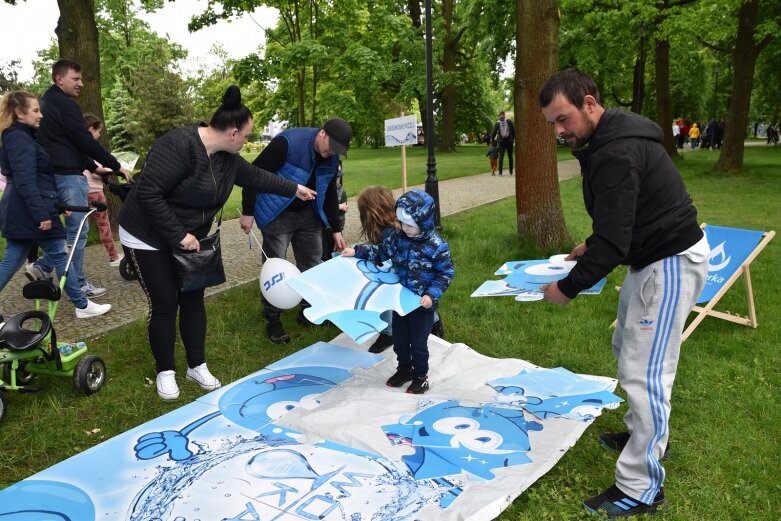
(28, 341)
(121, 190)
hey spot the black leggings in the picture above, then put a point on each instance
(156, 274)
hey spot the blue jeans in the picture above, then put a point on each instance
(72, 190)
(410, 339)
(16, 256)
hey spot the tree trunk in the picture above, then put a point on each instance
(538, 201)
(301, 86)
(77, 35)
(638, 76)
(744, 58)
(664, 108)
(447, 138)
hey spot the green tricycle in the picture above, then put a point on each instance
(28, 341)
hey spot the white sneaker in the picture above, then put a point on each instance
(115, 263)
(166, 385)
(203, 377)
(93, 310)
(91, 291)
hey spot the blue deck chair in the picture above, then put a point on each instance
(732, 251)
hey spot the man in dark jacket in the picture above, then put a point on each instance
(642, 217)
(308, 156)
(504, 130)
(65, 138)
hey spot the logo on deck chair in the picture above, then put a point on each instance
(717, 261)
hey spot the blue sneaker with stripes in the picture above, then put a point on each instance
(613, 504)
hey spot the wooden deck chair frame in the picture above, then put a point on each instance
(707, 310)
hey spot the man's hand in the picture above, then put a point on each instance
(339, 243)
(246, 221)
(45, 225)
(305, 194)
(125, 173)
(577, 251)
(554, 294)
(426, 301)
(348, 252)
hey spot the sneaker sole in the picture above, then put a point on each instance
(388, 384)
(203, 386)
(650, 509)
(167, 396)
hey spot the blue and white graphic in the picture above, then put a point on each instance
(450, 438)
(524, 278)
(352, 293)
(549, 393)
(730, 247)
(401, 131)
(302, 440)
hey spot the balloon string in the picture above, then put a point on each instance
(257, 241)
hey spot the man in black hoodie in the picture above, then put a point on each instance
(642, 217)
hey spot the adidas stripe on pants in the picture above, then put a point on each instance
(652, 310)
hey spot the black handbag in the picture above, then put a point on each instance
(202, 269)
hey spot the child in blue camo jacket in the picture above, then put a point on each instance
(421, 258)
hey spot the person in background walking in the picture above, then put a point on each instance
(492, 155)
(27, 213)
(504, 131)
(95, 193)
(70, 146)
(694, 136)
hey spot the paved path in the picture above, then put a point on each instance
(242, 265)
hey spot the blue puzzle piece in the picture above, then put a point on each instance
(349, 284)
(566, 405)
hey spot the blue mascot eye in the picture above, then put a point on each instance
(483, 439)
(463, 426)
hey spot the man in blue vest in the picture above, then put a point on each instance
(308, 156)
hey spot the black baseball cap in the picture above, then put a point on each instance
(340, 134)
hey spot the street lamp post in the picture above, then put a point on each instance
(432, 183)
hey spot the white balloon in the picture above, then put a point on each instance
(272, 283)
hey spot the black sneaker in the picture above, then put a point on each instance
(399, 378)
(612, 504)
(438, 329)
(276, 333)
(616, 441)
(419, 385)
(382, 343)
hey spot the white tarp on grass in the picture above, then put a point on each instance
(302, 439)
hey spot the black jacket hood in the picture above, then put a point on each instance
(618, 124)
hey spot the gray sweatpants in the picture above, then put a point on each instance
(652, 311)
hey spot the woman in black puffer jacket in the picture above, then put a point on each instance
(186, 179)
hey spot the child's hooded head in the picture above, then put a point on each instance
(415, 209)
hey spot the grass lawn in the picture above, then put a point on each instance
(726, 419)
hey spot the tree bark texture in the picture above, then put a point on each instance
(538, 200)
(77, 36)
(447, 141)
(664, 106)
(744, 58)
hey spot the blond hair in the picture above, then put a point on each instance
(18, 99)
(377, 211)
